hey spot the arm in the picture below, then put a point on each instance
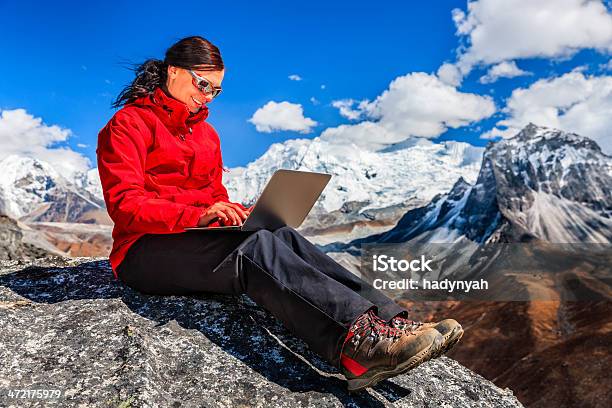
(219, 190)
(121, 152)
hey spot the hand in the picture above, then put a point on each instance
(227, 213)
(245, 209)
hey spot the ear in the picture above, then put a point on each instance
(172, 71)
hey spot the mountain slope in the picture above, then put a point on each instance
(32, 190)
(542, 184)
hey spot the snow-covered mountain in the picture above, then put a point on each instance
(542, 184)
(32, 190)
(89, 181)
(414, 169)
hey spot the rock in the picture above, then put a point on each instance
(68, 324)
(12, 243)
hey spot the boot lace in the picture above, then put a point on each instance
(371, 325)
(404, 324)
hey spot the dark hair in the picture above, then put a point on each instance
(189, 53)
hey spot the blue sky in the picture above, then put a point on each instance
(65, 61)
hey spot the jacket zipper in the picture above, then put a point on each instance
(183, 136)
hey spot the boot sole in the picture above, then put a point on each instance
(358, 384)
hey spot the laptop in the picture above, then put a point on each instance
(286, 199)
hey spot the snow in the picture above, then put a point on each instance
(444, 235)
(559, 220)
(450, 230)
(544, 211)
(90, 182)
(552, 154)
(419, 169)
(27, 183)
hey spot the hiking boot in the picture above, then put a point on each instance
(374, 351)
(450, 330)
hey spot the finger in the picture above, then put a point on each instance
(248, 209)
(235, 216)
(242, 213)
(230, 217)
(221, 215)
(239, 211)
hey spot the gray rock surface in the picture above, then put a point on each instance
(12, 242)
(68, 324)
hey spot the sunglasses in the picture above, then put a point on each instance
(204, 85)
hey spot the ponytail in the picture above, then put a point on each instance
(149, 75)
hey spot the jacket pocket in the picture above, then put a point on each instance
(168, 162)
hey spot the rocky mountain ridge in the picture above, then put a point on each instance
(542, 184)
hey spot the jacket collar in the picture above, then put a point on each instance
(172, 112)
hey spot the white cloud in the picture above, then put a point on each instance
(274, 116)
(366, 134)
(345, 106)
(323, 86)
(572, 102)
(314, 100)
(419, 104)
(494, 31)
(503, 70)
(581, 68)
(23, 134)
(497, 132)
(82, 145)
(416, 104)
(607, 66)
(295, 77)
(449, 74)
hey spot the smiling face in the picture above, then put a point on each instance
(181, 86)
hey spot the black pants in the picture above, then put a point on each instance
(314, 297)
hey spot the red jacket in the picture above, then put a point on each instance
(160, 168)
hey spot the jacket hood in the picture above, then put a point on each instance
(172, 112)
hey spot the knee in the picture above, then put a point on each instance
(257, 240)
(285, 230)
(264, 234)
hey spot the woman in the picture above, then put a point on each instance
(161, 170)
